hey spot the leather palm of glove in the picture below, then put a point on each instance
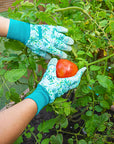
(43, 40)
(53, 87)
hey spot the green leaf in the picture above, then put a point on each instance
(2, 72)
(62, 120)
(1, 91)
(83, 101)
(31, 81)
(19, 140)
(103, 23)
(14, 74)
(89, 113)
(101, 128)
(39, 135)
(70, 141)
(27, 4)
(82, 141)
(85, 89)
(14, 45)
(32, 63)
(14, 96)
(104, 104)
(45, 17)
(56, 139)
(89, 54)
(94, 68)
(66, 108)
(104, 81)
(28, 135)
(76, 126)
(16, 2)
(59, 100)
(80, 52)
(45, 141)
(60, 138)
(108, 3)
(98, 108)
(46, 125)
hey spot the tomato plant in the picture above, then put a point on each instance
(65, 68)
(87, 108)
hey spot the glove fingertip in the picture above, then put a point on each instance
(80, 72)
(53, 61)
(62, 29)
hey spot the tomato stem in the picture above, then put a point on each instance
(102, 59)
(83, 11)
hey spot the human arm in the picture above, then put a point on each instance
(4, 26)
(14, 120)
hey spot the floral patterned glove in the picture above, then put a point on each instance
(43, 40)
(51, 87)
(58, 86)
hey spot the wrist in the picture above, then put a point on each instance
(18, 30)
(4, 26)
(40, 97)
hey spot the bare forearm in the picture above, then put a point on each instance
(14, 120)
(4, 26)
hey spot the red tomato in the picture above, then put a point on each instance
(65, 68)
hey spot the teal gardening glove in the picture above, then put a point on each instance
(51, 87)
(43, 40)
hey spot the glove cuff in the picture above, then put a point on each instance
(40, 96)
(19, 30)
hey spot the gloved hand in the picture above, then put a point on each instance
(41, 39)
(51, 87)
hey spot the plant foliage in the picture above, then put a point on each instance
(91, 25)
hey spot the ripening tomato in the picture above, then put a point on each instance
(65, 68)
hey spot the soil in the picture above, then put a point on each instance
(44, 115)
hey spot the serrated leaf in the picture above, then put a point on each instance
(76, 126)
(14, 45)
(104, 81)
(94, 68)
(27, 4)
(80, 52)
(14, 96)
(66, 108)
(19, 140)
(89, 113)
(45, 141)
(101, 128)
(59, 100)
(56, 139)
(103, 23)
(70, 141)
(14, 74)
(98, 108)
(89, 54)
(46, 125)
(46, 17)
(82, 141)
(62, 121)
(104, 104)
(85, 89)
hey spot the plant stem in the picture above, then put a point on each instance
(102, 59)
(105, 66)
(75, 8)
(83, 11)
